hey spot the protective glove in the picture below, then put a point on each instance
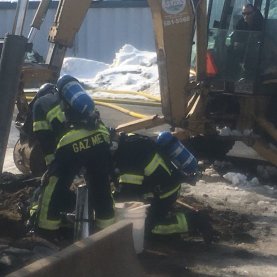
(200, 223)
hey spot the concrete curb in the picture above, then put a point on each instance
(109, 252)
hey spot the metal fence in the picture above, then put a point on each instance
(107, 27)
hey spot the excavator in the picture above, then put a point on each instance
(229, 89)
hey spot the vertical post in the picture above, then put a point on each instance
(201, 39)
(10, 68)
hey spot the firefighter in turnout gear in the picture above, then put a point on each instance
(145, 173)
(48, 120)
(73, 139)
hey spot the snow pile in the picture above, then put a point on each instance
(128, 55)
(226, 131)
(240, 179)
(82, 69)
(132, 70)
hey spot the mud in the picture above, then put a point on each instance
(236, 247)
(175, 256)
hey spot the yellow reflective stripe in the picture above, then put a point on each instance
(182, 221)
(56, 112)
(41, 125)
(165, 195)
(33, 209)
(180, 227)
(154, 164)
(75, 135)
(148, 195)
(103, 223)
(131, 179)
(49, 158)
(43, 222)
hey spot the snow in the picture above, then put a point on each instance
(82, 69)
(132, 70)
(238, 178)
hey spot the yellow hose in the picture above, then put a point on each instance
(119, 101)
(128, 112)
(137, 115)
(154, 98)
(128, 102)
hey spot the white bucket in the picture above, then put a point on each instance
(135, 212)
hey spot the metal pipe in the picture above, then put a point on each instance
(20, 19)
(10, 69)
(38, 18)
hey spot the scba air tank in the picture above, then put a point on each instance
(178, 153)
(74, 94)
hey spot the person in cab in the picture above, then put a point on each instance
(246, 41)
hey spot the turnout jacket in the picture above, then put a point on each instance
(144, 168)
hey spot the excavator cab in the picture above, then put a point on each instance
(240, 61)
(241, 64)
(242, 68)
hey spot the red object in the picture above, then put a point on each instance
(211, 69)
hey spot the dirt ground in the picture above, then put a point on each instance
(244, 216)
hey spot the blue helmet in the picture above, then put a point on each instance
(74, 94)
(164, 138)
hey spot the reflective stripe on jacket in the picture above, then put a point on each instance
(78, 134)
(154, 164)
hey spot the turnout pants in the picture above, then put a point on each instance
(78, 149)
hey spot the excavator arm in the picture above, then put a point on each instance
(173, 23)
(68, 19)
(67, 22)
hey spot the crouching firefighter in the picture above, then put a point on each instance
(145, 172)
(73, 138)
